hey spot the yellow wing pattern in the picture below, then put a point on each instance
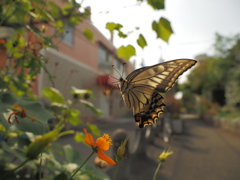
(140, 90)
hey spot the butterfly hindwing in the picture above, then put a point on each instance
(155, 108)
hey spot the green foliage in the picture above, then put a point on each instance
(163, 29)
(216, 79)
(23, 20)
(113, 26)
(33, 109)
(79, 137)
(94, 129)
(72, 155)
(53, 95)
(61, 176)
(91, 106)
(141, 41)
(126, 52)
(88, 34)
(157, 4)
(82, 93)
(65, 107)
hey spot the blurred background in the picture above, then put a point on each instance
(201, 123)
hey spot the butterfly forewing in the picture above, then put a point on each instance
(161, 76)
(140, 90)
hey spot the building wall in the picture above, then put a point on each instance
(77, 65)
(68, 73)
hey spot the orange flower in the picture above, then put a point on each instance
(17, 111)
(33, 118)
(102, 144)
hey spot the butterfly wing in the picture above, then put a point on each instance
(142, 87)
(161, 76)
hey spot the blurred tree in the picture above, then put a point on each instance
(216, 78)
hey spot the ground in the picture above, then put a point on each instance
(200, 152)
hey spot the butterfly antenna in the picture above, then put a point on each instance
(112, 83)
(116, 70)
(124, 65)
(113, 77)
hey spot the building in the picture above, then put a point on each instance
(83, 64)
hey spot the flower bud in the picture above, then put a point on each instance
(164, 155)
(42, 142)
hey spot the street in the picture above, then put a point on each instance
(201, 152)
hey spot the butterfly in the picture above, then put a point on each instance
(141, 89)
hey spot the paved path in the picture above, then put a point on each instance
(200, 153)
(203, 153)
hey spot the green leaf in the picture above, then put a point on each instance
(113, 26)
(53, 95)
(13, 150)
(74, 112)
(72, 155)
(88, 34)
(15, 90)
(61, 176)
(79, 137)
(73, 117)
(141, 41)
(94, 129)
(59, 26)
(126, 52)
(90, 168)
(55, 10)
(82, 92)
(91, 106)
(156, 4)
(43, 14)
(163, 29)
(34, 109)
(75, 20)
(74, 120)
(121, 34)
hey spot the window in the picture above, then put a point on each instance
(104, 60)
(67, 35)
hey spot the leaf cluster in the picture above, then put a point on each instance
(162, 28)
(24, 24)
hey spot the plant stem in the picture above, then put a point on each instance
(40, 167)
(81, 165)
(16, 168)
(116, 171)
(6, 13)
(156, 172)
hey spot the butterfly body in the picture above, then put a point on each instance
(141, 89)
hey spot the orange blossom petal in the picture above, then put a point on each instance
(104, 157)
(89, 138)
(16, 106)
(102, 144)
(33, 118)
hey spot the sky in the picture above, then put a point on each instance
(194, 23)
